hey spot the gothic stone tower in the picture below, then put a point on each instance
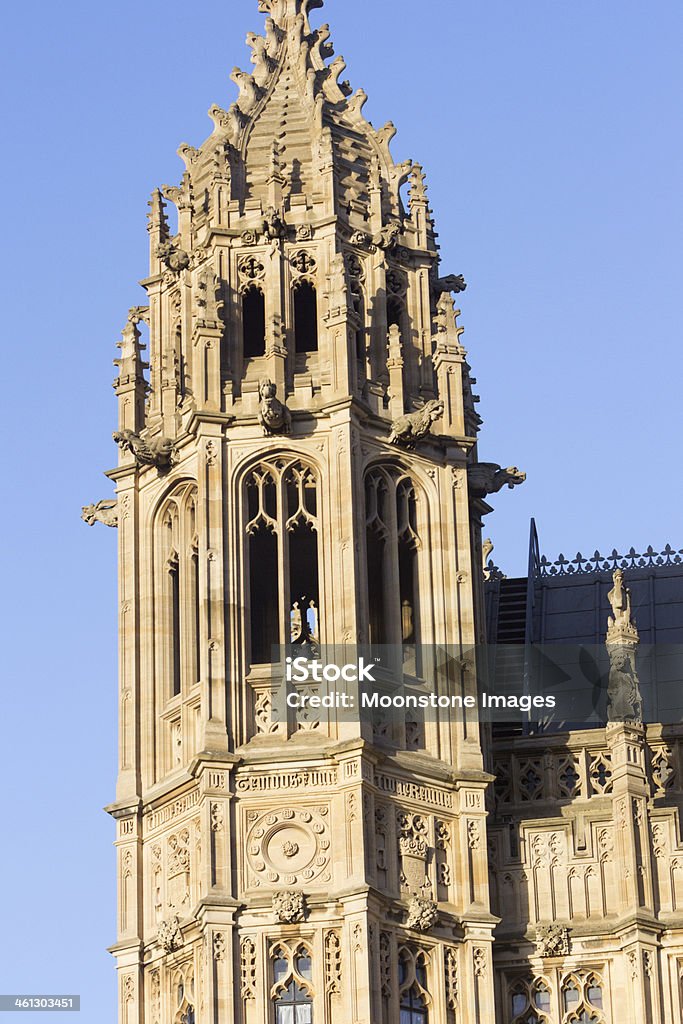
(297, 459)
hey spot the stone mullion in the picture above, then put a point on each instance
(206, 363)
(377, 292)
(420, 375)
(284, 583)
(212, 630)
(169, 369)
(335, 348)
(128, 783)
(277, 286)
(154, 292)
(458, 591)
(356, 942)
(437, 984)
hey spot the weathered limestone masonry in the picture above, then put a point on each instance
(299, 458)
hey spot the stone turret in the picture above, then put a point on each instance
(294, 468)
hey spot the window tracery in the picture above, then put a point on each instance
(182, 990)
(178, 608)
(292, 983)
(534, 1000)
(282, 528)
(393, 547)
(414, 996)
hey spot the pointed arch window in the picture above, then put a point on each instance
(530, 1001)
(292, 990)
(253, 322)
(393, 547)
(282, 529)
(177, 595)
(412, 980)
(305, 317)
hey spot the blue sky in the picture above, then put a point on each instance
(550, 135)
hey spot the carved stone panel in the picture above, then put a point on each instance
(288, 846)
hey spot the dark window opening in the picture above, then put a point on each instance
(359, 334)
(175, 628)
(263, 595)
(376, 609)
(305, 318)
(253, 323)
(406, 576)
(303, 586)
(394, 314)
(194, 569)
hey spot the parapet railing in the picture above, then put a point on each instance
(580, 565)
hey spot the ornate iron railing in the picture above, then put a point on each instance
(650, 559)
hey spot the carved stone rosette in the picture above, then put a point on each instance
(289, 846)
(552, 940)
(422, 914)
(289, 907)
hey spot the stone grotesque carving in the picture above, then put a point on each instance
(619, 598)
(289, 907)
(624, 701)
(552, 940)
(105, 511)
(169, 934)
(422, 914)
(172, 257)
(408, 429)
(453, 283)
(273, 415)
(157, 451)
(488, 478)
(274, 228)
(388, 237)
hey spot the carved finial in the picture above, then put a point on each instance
(156, 218)
(418, 189)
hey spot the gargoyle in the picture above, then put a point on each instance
(408, 429)
(105, 511)
(273, 415)
(387, 238)
(453, 283)
(158, 451)
(488, 478)
(273, 226)
(174, 258)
